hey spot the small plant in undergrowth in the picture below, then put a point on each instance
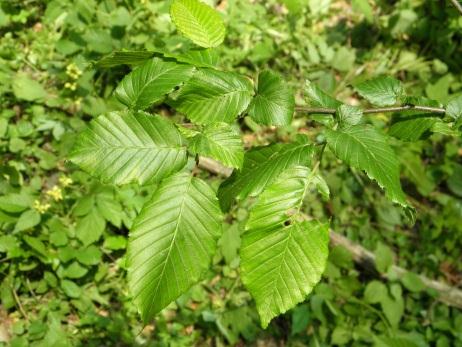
(174, 237)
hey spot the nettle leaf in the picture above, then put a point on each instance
(221, 142)
(172, 242)
(364, 148)
(150, 82)
(212, 96)
(349, 115)
(126, 147)
(198, 22)
(262, 165)
(319, 98)
(381, 91)
(274, 102)
(281, 266)
(412, 127)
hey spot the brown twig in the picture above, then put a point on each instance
(319, 110)
(457, 5)
(18, 302)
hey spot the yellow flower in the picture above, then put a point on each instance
(41, 208)
(71, 86)
(56, 193)
(65, 181)
(73, 71)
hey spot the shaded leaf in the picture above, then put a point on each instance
(221, 142)
(212, 96)
(318, 98)
(262, 165)
(124, 58)
(274, 101)
(150, 82)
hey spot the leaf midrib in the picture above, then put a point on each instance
(172, 243)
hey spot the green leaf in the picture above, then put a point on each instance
(281, 266)
(281, 199)
(90, 228)
(411, 127)
(454, 108)
(150, 82)
(364, 148)
(412, 282)
(349, 115)
(274, 101)
(15, 203)
(221, 142)
(383, 258)
(198, 57)
(27, 220)
(125, 147)
(212, 96)
(27, 89)
(319, 98)
(71, 289)
(172, 242)
(375, 292)
(262, 165)
(198, 22)
(124, 58)
(381, 91)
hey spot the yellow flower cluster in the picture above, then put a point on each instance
(56, 193)
(73, 71)
(65, 181)
(41, 208)
(71, 86)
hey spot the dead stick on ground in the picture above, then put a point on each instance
(365, 258)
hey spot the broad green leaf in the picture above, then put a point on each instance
(318, 98)
(199, 57)
(364, 148)
(454, 108)
(412, 127)
(349, 115)
(281, 199)
(363, 6)
(262, 166)
(281, 266)
(198, 22)
(221, 142)
(27, 220)
(90, 228)
(212, 96)
(172, 242)
(150, 82)
(125, 147)
(124, 58)
(274, 101)
(28, 89)
(381, 91)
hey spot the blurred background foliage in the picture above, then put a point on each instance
(63, 235)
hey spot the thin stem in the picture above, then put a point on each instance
(320, 110)
(457, 5)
